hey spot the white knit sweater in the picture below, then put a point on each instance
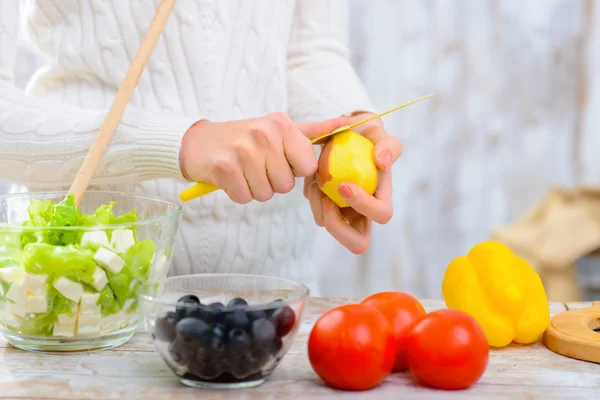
(216, 59)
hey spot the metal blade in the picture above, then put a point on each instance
(345, 128)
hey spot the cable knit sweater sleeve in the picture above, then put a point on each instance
(43, 142)
(321, 81)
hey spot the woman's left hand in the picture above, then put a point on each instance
(351, 226)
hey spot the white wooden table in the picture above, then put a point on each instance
(135, 370)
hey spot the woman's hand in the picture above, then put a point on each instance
(351, 226)
(253, 158)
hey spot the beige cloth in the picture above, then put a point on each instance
(562, 228)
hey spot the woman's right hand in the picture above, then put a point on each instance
(252, 158)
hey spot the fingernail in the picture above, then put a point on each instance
(385, 158)
(345, 191)
(325, 203)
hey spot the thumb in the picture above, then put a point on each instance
(314, 130)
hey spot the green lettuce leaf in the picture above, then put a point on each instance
(139, 258)
(68, 261)
(105, 215)
(65, 213)
(40, 212)
(59, 304)
(120, 283)
(108, 301)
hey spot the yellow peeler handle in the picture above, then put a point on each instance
(199, 189)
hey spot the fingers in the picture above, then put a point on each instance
(230, 177)
(307, 181)
(317, 129)
(355, 237)
(315, 197)
(255, 173)
(387, 148)
(296, 148)
(279, 172)
(384, 190)
(378, 207)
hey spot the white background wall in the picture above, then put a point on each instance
(515, 88)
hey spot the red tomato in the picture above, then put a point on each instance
(401, 310)
(351, 347)
(447, 349)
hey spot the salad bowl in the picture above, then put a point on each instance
(69, 274)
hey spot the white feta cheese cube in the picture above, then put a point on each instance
(89, 299)
(121, 240)
(64, 330)
(96, 237)
(88, 324)
(71, 290)
(9, 319)
(67, 319)
(34, 284)
(16, 294)
(90, 310)
(37, 304)
(109, 260)
(11, 274)
(100, 279)
(88, 304)
(17, 309)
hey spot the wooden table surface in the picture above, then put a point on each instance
(135, 370)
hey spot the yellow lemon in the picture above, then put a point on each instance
(347, 157)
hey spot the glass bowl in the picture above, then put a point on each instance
(223, 331)
(69, 275)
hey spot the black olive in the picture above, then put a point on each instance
(192, 330)
(236, 319)
(263, 332)
(165, 327)
(238, 340)
(179, 352)
(237, 302)
(217, 340)
(216, 306)
(242, 366)
(186, 311)
(274, 306)
(216, 313)
(189, 298)
(256, 314)
(284, 320)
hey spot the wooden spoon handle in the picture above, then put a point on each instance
(105, 133)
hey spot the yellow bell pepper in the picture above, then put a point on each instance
(500, 291)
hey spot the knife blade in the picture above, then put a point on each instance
(345, 128)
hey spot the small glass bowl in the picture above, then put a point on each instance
(223, 331)
(80, 296)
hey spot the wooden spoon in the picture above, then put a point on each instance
(575, 333)
(105, 133)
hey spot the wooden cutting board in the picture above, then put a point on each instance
(576, 333)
